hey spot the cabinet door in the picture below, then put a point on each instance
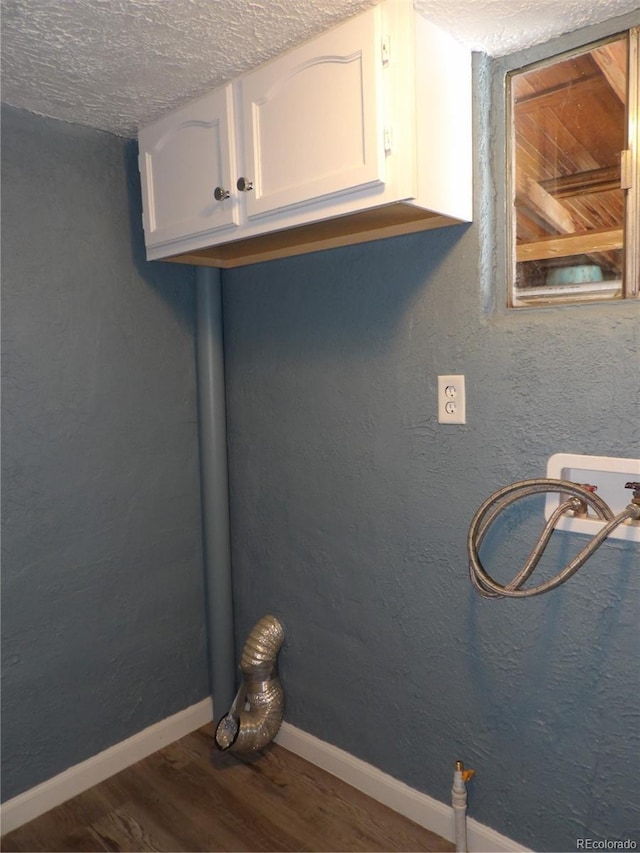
(183, 158)
(312, 124)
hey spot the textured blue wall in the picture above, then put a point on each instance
(350, 509)
(102, 611)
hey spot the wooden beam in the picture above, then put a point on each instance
(557, 95)
(583, 243)
(530, 193)
(583, 183)
(612, 63)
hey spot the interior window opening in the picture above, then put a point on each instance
(574, 175)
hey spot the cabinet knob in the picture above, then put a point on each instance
(244, 185)
(220, 193)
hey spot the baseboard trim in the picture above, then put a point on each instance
(418, 807)
(80, 777)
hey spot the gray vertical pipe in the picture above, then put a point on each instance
(215, 489)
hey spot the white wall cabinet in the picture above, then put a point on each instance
(363, 132)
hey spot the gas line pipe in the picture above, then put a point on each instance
(459, 803)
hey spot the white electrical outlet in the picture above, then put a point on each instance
(451, 400)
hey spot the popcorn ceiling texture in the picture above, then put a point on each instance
(500, 27)
(119, 64)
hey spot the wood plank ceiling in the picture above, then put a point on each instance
(570, 129)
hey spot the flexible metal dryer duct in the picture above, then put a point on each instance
(257, 711)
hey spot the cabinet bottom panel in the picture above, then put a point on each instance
(380, 222)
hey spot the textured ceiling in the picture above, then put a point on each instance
(118, 64)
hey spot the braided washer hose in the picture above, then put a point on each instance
(500, 500)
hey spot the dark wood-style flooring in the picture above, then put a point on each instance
(191, 797)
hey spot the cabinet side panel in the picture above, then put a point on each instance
(443, 72)
(146, 185)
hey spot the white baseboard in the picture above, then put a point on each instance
(80, 777)
(418, 807)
